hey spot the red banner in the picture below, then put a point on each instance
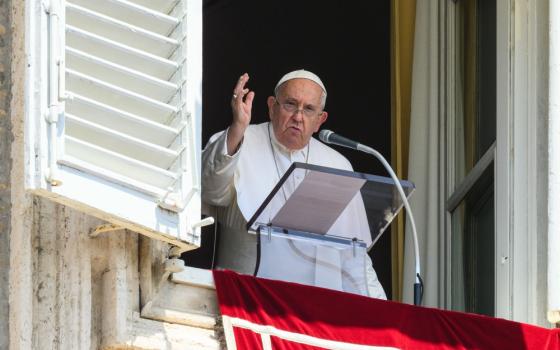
(265, 314)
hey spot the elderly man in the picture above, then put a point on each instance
(235, 160)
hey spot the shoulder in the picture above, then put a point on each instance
(327, 156)
(256, 136)
(257, 130)
(216, 136)
(254, 131)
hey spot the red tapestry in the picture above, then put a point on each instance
(266, 314)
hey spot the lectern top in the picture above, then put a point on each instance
(323, 200)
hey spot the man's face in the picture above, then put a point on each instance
(296, 112)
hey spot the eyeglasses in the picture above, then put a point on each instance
(292, 107)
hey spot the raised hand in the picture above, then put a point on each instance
(241, 105)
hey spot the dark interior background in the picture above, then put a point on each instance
(346, 43)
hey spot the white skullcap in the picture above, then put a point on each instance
(301, 74)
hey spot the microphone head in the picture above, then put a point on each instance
(324, 135)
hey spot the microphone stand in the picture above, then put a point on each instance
(418, 285)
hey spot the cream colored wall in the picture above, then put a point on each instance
(5, 188)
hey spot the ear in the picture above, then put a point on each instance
(322, 118)
(270, 102)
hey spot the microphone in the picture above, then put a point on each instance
(328, 136)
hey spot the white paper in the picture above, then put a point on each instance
(317, 202)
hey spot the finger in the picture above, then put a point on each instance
(241, 84)
(249, 99)
(238, 95)
(237, 99)
(242, 94)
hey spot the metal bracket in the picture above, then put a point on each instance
(204, 222)
(177, 251)
(104, 228)
(170, 201)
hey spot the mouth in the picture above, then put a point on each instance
(294, 129)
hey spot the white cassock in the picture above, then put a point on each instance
(237, 185)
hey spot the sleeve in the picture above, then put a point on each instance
(218, 169)
(374, 287)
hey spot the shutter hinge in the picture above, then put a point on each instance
(51, 118)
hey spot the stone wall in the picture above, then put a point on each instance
(5, 165)
(21, 220)
(86, 290)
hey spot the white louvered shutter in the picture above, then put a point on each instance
(119, 128)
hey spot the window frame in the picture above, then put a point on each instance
(520, 231)
(457, 190)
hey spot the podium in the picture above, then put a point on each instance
(318, 223)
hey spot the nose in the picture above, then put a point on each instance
(298, 115)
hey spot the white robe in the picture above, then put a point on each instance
(237, 185)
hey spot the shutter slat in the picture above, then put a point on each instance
(119, 53)
(119, 75)
(163, 6)
(126, 100)
(119, 142)
(102, 114)
(118, 163)
(104, 173)
(120, 31)
(135, 14)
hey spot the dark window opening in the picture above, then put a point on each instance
(346, 43)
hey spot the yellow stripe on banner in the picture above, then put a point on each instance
(403, 14)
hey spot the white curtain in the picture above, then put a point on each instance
(423, 158)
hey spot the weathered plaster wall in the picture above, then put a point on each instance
(66, 284)
(20, 283)
(86, 291)
(5, 165)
